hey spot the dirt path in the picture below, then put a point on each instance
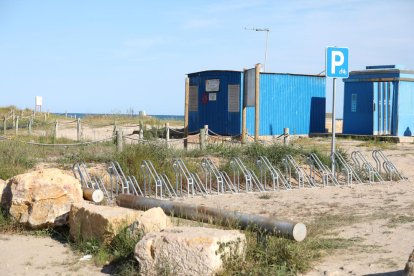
(30, 255)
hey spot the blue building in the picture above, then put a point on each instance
(379, 101)
(289, 101)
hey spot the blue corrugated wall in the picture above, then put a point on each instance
(293, 101)
(215, 113)
(406, 109)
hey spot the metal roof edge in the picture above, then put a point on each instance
(206, 71)
(293, 74)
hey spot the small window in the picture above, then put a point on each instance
(354, 100)
(193, 98)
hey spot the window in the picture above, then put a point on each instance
(354, 100)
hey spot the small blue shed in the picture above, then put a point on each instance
(379, 101)
(291, 101)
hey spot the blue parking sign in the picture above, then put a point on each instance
(336, 62)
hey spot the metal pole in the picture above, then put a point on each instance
(333, 127)
(269, 225)
(187, 95)
(264, 65)
(257, 103)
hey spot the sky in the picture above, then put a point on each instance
(101, 56)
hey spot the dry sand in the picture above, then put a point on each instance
(31, 255)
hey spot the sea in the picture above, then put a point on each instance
(161, 117)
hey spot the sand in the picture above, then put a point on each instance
(31, 255)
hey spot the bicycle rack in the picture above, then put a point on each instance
(301, 175)
(317, 166)
(213, 176)
(388, 166)
(347, 169)
(128, 184)
(193, 182)
(161, 181)
(362, 164)
(80, 171)
(250, 177)
(266, 167)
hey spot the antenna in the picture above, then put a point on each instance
(267, 30)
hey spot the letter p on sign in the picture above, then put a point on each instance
(336, 62)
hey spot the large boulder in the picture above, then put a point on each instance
(188, 250)
(409, 267)
(41, 198)
(88, 221)
(2, 188)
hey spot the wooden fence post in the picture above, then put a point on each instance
(202, 139)
(286, 136)
(119, 142)
(78, 129)
(4, 125)
(17, 125)
(30, 126)
(55, 134)
(13, 119)
(167, 133)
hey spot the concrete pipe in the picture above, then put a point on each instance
(93, 195)
(269, 225)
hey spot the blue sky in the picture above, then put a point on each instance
(108, 56)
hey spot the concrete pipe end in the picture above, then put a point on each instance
(97, 196)
(299, 232)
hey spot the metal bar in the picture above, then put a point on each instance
(272, 226)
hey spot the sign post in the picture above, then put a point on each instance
(336, 66)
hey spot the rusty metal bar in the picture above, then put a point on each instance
(269, 225)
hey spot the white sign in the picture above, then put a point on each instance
(336, 62)
(212, 85)
(38, 101)
(212, 97)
